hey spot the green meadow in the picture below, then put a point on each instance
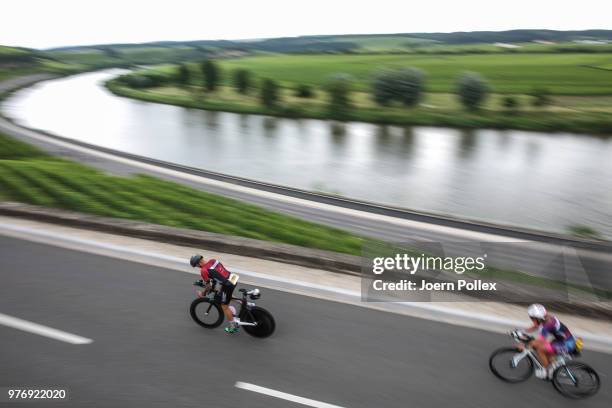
(563, 74)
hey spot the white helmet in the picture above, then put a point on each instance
(536, 311)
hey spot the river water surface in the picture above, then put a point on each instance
(538, 180)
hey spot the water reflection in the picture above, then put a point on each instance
(532, 149)
(243, 120)
(212, 119)
(407, 143)
(467, 143)
(536, 180)
(337, 128)
(270, 125)
(504, 139)
(338, 135)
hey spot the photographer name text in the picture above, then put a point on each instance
(408, 285)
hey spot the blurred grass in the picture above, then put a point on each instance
(30, 176)
(561, 74)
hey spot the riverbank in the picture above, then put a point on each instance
(226, 99)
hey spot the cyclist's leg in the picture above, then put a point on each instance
(566, 346)
(228, 290)
(543, 350)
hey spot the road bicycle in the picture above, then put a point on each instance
(207, 312)
(571, 378)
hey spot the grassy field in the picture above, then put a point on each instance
(399, 44)
(30, 176)
(562, 74)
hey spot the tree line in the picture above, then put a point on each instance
(389, 87)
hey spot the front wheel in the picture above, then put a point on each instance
(206, 313)
(265, 322)
(576, 380)
(502, 364)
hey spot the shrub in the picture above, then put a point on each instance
(541, 98)
(304, 91)
(472, 90)
(510, 102)
(144, 80)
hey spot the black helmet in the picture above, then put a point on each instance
(195, 260)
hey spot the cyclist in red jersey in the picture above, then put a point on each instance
(212, 272)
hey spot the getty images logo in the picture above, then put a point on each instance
(411, 264)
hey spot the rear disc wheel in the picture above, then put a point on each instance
(265, 323)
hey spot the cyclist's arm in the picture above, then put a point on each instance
(208, 286)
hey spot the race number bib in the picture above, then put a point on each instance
(234, 278)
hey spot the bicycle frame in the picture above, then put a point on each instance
(244, 308)
(560, 360)
(528, 352)
(213, 290)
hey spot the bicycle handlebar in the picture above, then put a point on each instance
(521, 336)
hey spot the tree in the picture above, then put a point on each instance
(211, 74)
(472, 90)
(242, 80)
(182, 75)
(269, 93)
(339, 90)
(405, 85)
(383, 90)
(410, 86)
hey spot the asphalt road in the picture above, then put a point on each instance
(147, 351)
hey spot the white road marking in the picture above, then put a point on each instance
(283, 395)
(41, 330)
